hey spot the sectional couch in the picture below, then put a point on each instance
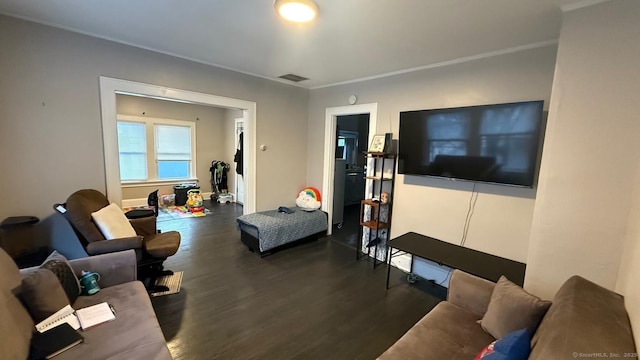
(134, 334)
(584, 321)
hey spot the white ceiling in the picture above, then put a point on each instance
(349, 40)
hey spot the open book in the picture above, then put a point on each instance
(64, 315)
(95, 315)
(82, 318)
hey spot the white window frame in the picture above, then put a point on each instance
(152, 166)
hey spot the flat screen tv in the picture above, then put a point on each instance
(489, 143)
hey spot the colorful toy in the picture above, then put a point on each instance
(309, 199)
(194, 201)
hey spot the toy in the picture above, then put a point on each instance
(225, 198)
(167, 200)
(309, 199)
(194, 201)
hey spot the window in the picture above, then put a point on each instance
(153, 149)
(173, 151)
(132, 149)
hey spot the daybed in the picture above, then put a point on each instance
(134, 334)
(264, 232)
(584, 320)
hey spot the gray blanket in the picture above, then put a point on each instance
(275, 228)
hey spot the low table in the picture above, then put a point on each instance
(475, 262)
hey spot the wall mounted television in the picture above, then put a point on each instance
(497, 143)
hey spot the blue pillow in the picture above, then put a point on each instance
(495, 356)
(514, 346)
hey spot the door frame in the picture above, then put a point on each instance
(330, 124)
(236, 141)
(109, 87)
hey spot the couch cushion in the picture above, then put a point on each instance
(59, 265)
(16, 324)
(585, 318)
(512, 308)
(134, 334)
(446, 332)
(42, 294)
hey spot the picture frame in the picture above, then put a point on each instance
(380, 143)
(377, 143)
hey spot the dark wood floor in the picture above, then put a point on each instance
(347, 232)
(312, 301)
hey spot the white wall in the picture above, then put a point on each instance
(630, 265)
(591, 154)
(501, 222)
(50, 129)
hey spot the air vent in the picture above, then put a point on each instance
(293, 77)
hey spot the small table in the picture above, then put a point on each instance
(475, 262)
(23, 253)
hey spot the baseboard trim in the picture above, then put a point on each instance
(126, 203)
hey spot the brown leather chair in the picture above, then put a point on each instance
(151, 246)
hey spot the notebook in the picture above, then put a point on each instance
(54, 341)
(64, 315)
(95, 315)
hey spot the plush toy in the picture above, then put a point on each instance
(309, 199)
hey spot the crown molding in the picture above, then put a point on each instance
(581, 4)
(461, 60)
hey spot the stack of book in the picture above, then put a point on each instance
(58, 332)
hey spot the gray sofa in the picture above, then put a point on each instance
(584, 320)
(134, 334)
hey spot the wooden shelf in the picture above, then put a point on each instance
(378, 178)
(370, 202)
(379, 220)
(379, 154)
(374, 224)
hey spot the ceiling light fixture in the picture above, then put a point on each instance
(296, 10)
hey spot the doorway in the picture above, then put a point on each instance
(108, 89)
(352, 134)
(330, 131)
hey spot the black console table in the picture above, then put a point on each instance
(475, 262)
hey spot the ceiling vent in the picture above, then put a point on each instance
(293, 77)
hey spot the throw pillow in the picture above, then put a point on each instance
(42, 294)
(113, 223)
(512, 308)
(61, 268)
(514, 346)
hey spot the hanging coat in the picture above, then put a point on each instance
(237, 158)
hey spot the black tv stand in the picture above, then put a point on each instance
(475, 262)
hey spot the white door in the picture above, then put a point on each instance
(239, 179)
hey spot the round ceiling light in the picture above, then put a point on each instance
(296, 10)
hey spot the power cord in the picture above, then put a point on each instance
(467, 222)
(413, 278)
(445, 278)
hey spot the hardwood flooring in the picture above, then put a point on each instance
(312, 301)
(348, 233)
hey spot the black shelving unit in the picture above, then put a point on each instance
(376, 222)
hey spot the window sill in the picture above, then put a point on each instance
(131, 184)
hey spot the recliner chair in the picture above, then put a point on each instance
(151, 247)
